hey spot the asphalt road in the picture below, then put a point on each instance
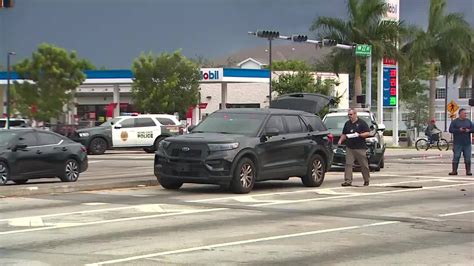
(413, 213)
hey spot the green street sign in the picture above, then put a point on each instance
(364, 50)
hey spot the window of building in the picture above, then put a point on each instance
(439, 116)
(464, 93)
(440, 93)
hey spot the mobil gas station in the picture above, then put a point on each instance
(107, 93)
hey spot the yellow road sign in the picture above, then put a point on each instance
(452, 107)
(452, 116)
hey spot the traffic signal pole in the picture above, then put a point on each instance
(270, 70)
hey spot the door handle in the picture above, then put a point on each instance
(39, 152)
(64, 149)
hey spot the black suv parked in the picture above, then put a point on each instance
(238, 147)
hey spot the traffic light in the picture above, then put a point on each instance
(329, 42)
(299, 38)
(268, 34)
(6, 3)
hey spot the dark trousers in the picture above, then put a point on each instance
(466, 152)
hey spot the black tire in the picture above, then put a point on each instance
(422, 144)
(4, 173)
(244, 176)
(97, 146)
(316, 170)
(155, 146)
(20, 182)
(169, 183)
(382, 163)
(70, 171)
(443, 145)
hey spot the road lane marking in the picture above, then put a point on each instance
(365, 194)
(242, 242)
(328, 191)
(455, 213)
(221, 209)
(69, 225)
(94, 203)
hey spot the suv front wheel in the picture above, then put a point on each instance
(316, 170)
(244, 176)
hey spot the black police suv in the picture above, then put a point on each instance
(30, 153)
(238, 147)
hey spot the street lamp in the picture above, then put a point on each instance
(8, 88)
(269, 35)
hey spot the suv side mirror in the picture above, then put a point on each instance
(271, 132)
(381, 127)
(118, 126)
(191, 127)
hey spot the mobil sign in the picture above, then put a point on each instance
(211, 74)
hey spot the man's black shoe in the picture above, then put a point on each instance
(366, 184)
(345, 184)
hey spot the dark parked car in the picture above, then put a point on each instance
(30, 153)
(238, 147)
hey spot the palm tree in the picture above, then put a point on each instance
(364, 26)
(439, 45)
(466, 67)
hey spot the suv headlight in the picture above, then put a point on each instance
(163, 144)
(223, 146)
(84, 134)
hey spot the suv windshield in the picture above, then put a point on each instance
(110, 122)
(231, 123)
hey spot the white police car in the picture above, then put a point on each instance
(136, 131)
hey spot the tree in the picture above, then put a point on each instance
(439, 45)
(290, 65)
(302, 81)
(364, 26)
(416, 104)
(55, 74)
(166, 83)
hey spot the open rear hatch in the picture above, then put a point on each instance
(309, 102)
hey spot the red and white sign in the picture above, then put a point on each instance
(202, 105)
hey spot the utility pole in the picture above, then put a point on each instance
(270, 36)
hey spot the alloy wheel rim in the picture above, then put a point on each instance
(3, 174)
(99, 145)
(246, 175)
(72, 170)
(317, 170)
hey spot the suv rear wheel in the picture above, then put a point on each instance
(244, 176)
(316, 170)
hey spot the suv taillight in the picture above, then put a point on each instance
(330, 137)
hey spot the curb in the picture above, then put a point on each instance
(76, 188)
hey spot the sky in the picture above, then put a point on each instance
(112, 33)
